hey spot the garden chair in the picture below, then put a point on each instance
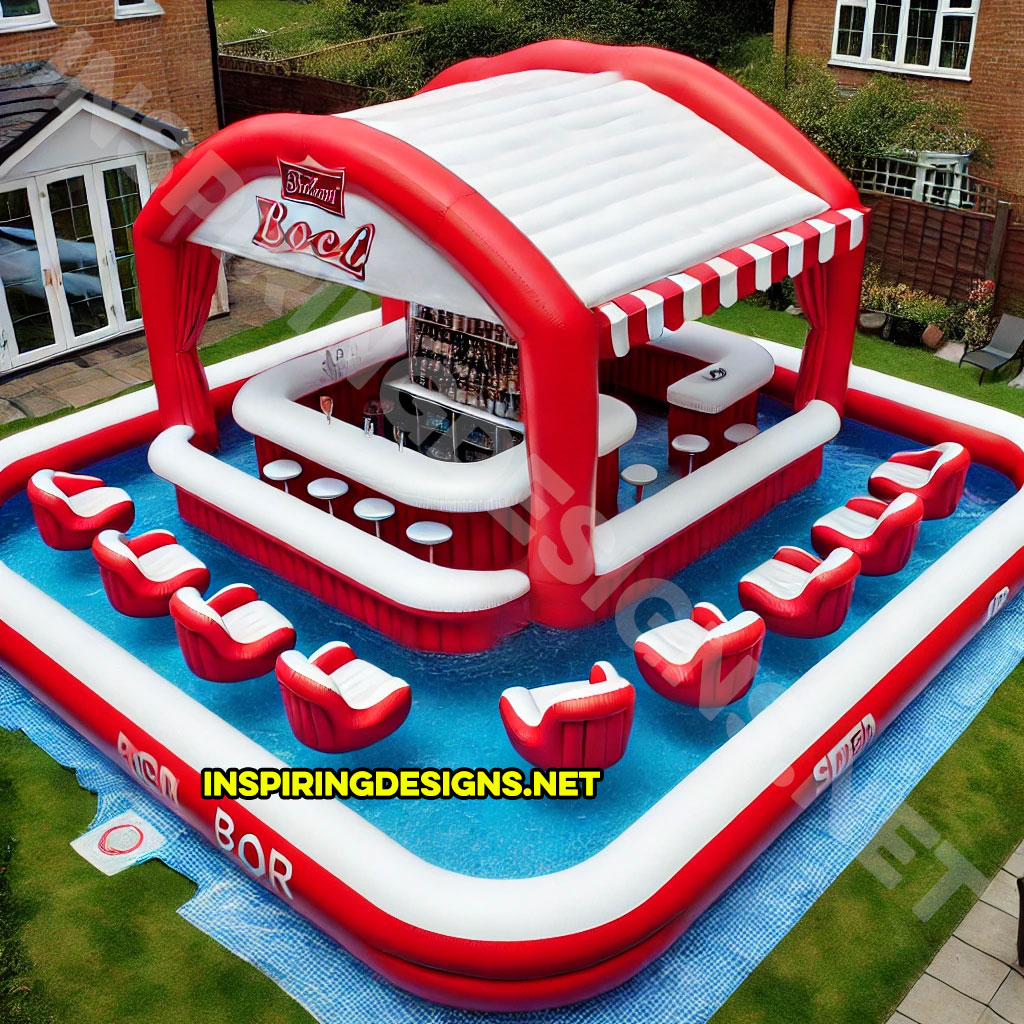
(1006, 345)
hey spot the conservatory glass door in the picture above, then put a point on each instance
(83, 282)
(28, 311)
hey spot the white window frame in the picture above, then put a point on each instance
(28, 22)
(124, 325)
(932, 68)
(49, 261)
(10, 356)
(146, 9)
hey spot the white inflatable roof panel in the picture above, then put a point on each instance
(615, 183)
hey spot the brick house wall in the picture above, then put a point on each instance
(992, 101)
(160, 65)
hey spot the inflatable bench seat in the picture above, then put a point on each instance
(800, 595)
(336, 702)
(882, 535)
(584, 724)
(71, 509)
(232, 636)
(937, 475)
(141, 573)
(706, 660)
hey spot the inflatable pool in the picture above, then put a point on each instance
(563, 465)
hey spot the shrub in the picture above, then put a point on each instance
(694, 27)
(461, 29)
(976, 321)
(912, 309)
(885, 117)
(374, 17)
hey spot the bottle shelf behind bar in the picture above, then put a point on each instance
(472, 362)
(442, 429)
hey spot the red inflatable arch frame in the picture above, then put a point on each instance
(552, 325)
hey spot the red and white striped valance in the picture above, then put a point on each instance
(642, 315)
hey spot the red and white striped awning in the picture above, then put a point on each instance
(664, 305)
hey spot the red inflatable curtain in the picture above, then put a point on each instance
(829, 295)
(177, 285)
(196, 284)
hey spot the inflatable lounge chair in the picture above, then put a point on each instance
(881, 534)
(576, 725)
(798, 594)
(705, 660)
(337, 702)
(232, 636)
(141, 573)
(70, 510)
(937, 475)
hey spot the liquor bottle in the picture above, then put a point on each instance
(490, 380)
(461, 373)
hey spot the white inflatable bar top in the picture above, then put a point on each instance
(638, 529)
(266, 406)
(374, 564)
(748, 367)
(588, 165)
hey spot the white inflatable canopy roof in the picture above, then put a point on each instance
(616, 184)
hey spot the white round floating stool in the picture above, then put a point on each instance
(690, 444)
(740, 433)
(429, 534)
(639, 475)
(327, 488)
(374, 510)
(281, 471)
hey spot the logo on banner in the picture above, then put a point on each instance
(276, 234)
(317, 186)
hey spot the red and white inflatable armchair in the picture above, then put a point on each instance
(798, 594)
(582, 724)
(232, 636)
(881, 534)
(71, 509)
(141, 573)
(337, 702)
(706, 660)
(937, 475)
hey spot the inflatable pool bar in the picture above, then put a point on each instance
(533, 511)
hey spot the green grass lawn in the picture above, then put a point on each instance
(77, 946)
(240, 19)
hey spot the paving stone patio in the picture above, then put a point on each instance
(975, 978)
(257, 295)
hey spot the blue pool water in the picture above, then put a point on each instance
(454, 720)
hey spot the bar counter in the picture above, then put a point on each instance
(482, 501)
